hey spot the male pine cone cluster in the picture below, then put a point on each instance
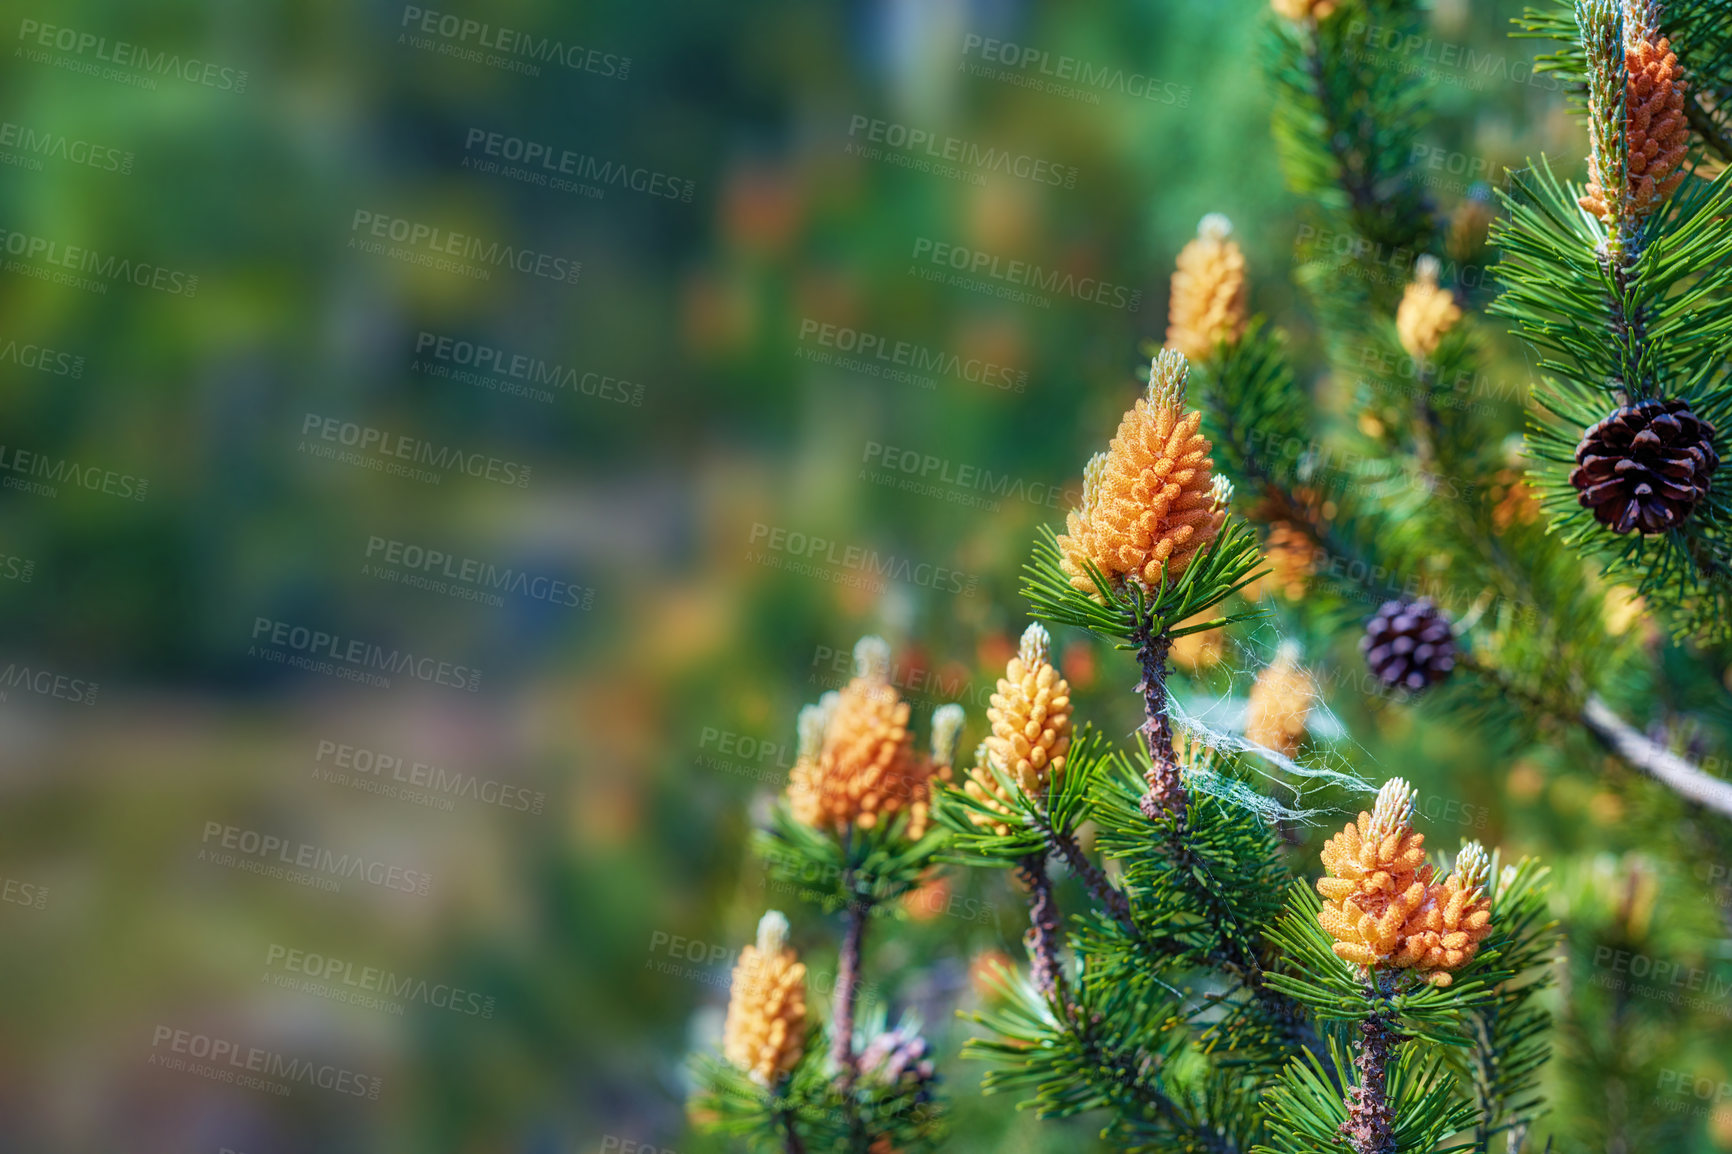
(857, 762)
(1279, 704)
(1303, 9)
(1151, 501)
(1031, 730)
(1644, 468)
(1427, 311)
(765, 1030)
(1207, 305)
(1656, 134)
(1381, 904)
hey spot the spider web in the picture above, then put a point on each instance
(1216, 721)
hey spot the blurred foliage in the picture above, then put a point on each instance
(655, 720)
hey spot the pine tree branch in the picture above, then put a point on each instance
(1621, 739)
(1370, 1125)
(791, 1137)
(1126, 1071)
(1166, 793)
(847, 986)
(1354, 182)
(1653, 759)
(1042, 936)
(1711, 133)
(1111, 898)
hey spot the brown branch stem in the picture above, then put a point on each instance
(1370, 1125)
(1111, 898)
(1042, 936)
(1622, 740)
(1166, 794)
(791, 1138)
(847, 986)
(1646, 756)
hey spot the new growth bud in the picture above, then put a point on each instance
(872, 658)
(772, 932)
(946, 733)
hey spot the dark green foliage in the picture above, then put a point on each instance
(810, 1102)
(1345, 122)
(865, 866)
(1310, 1112)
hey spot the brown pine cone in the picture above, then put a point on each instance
(1644, 468)
(1409, 644)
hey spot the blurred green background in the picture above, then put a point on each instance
(284, 283)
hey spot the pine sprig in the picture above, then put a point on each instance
(1577, 310)
(1034, 825)
(1511, 1033)
(1700, 33)
(1223, 567)
(863, 867)
(1204, 898)
(1119, 1047)
(1307, 1110)
(1336, 990)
